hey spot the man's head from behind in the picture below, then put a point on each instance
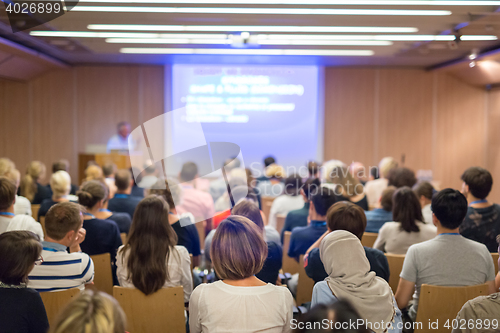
(268, 161)
(188, 172)
(63, 221)
(7, 193)
(123, 180)
(293, 184)
(400, 177)
(109, 169)
(311, 186)
(321, 201)
(449, 208)
(346, 216)
(386, 198)
(477, 182)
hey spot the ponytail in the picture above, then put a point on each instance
(34, 171)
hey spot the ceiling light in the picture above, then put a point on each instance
(248, 51)
(312, 2)
(472, 64)
(278, 11)
(90, 34)
(256, 41)
(234, 28)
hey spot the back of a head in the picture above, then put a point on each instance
(109, 169)
(399, 177)
(5, 166)
(323, 200)
(479, 181)
(275, 171)
(7, 193)
(93, 172)
(238, 248)
(60, 183)
(348, 185)
(169, 189)
(231, 163)
(91, 193)
(346, 216)
(406, 209)
(34, 171)
(92, 311)
(123, 179)
(250, 210)
(188, 172)
(63, 218)
(311, 186)
(385, 165)
(149, 243)
(450, 207)
(14, 175)
(386, 198)
(18, 252)
(61, 165)
(149, 167)
(293, 184)
(268, 161)
(424, 189)
(313, 168)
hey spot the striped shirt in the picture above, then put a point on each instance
(61, 270)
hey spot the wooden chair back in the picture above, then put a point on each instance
(369, 239)
(123, 236)
(160, 312)
(267, 202)
(42, 222)
(395, 266)
(442, 304)
(290, 265)
(305, 285)
(280, 222)
(103, 276)
(495, 261)
(34, 211)
(200, 227)
(55, 301)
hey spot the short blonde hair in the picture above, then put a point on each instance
(92, 311)
(6, 165)
(93, 172)
(238, 249)
(276, 171)
(60, 183)
(386, 165)
(14, 175)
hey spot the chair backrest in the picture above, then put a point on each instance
(200, 227)
(305, 285)
(267, 202)
(280, 222)
(103, 276)
(160, 312)
(495, 261)
(369, 239)
(55, 301)
(442, 304)
(123, 236)
(290, 265)
(42, 222)
(395, 266)
(34, 211)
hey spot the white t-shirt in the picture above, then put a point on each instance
(21, 222)
(392, 239)
(282, 205)
(22, 206)
(178, 267)
(219, 307)
(427, 213)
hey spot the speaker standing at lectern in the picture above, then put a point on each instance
(119, 141)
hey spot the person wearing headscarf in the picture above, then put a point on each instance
(349, 278)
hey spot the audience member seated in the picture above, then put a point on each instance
(424, 191)
(483, 311)
(482, 222)
(237, 177)
(239, 300)
(252, 183)
(136, 178)
(109, 170)
(218, 187)
(22, 308)
(22, 206)
(150, 259)
(269, 160)
(289, 200)
(358, 171)
(124, 201)
(30, 187)
(408, 228)
(60, 184)
(272, 185)
(187, 234)
(194, 201)
(99, 192)
(340, 313)
(447, 260)
(298, 217)
(8, 220)
(93, 172)
(150, 175)
(92, 311)
(399, 177)
(303, 237)
(376, 218)
(349, 217)
(374, 188)
(349, 279)
(348, 187)
(313, 168)
(63, 165)
(61, 270)
(102, 236)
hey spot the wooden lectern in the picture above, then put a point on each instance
(122, 161)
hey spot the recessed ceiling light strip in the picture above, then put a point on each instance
(311, 2)
(248, 51)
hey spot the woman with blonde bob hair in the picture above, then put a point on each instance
(30, 187)
(239, 300)
(60, 183)
(93, 312)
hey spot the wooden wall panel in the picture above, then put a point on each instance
(493, 161)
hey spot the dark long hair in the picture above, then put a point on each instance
(150, 241)
(406, 209)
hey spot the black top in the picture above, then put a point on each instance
(22, 311)
(122, 220)
(272, 265)
(378, 263)
(45, 206)
(363, 203)
(42, 193)
(482, 225)
(187, 236)
(124, 203)
(295, 218)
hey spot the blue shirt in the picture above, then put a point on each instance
(295, 218)
(303, 237)
(376, 218)
(124, 203)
